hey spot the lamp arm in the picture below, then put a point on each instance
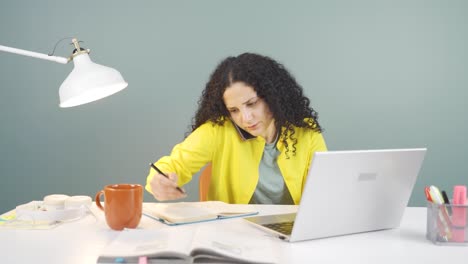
(34, 54)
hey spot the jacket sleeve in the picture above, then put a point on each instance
(317, 144)
(189, 156)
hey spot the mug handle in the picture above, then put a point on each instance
(98, 200)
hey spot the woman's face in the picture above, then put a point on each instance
(249, 111)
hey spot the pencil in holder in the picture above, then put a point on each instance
(447, 224)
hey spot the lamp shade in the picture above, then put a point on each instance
(89, 82)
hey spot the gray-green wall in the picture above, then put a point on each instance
(381, 74)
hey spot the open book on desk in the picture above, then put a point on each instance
(194, 212)
(189, 244)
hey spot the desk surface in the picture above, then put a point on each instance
(81, 242)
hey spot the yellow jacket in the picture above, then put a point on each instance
(235, 161)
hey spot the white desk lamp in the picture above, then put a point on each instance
(87, 82)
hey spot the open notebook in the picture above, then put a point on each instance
(192, 212)
(349, 192)
(189, 244)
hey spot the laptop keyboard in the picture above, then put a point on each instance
(283, 227)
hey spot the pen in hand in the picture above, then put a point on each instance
(163, 174)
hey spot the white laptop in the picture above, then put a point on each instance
(349, 192)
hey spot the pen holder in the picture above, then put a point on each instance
(447, 224)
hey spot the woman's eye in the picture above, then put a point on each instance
(252, 103)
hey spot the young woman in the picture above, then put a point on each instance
(257, 129)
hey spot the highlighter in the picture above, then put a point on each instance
(459, 213)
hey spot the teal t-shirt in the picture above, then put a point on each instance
(271, 188)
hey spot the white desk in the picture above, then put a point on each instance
(81, 241)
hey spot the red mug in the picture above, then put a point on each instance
(122, 205)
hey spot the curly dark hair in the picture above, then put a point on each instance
(271, 81)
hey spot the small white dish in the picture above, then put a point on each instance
(55, 201)
(37, 211)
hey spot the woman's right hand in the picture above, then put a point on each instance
(165, 189)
